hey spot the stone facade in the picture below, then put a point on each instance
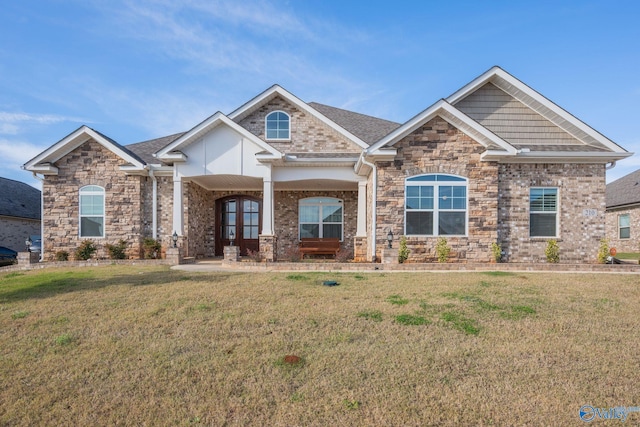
(199, 220)
(91, 164)
(14, 231)
(308, 134)
(632, 244)
(580, 187)
(286, 219)
(438, 147)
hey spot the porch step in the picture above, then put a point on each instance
(189, 260)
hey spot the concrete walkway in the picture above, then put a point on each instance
(211, 265)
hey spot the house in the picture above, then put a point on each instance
(19, 213)
(494, 162)
(623, 213)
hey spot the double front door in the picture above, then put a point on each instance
(238, 222)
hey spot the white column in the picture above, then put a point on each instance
(177, 204)
(361, 230)
(267, 207)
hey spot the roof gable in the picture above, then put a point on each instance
(43, 162)
(275, 91)
(492, 142)
(171, 151)
(537, 103)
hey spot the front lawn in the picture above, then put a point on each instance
(151, 346)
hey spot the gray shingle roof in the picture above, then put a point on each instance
(367, 128)
(624, 191)
(18, 199)
(145, 149)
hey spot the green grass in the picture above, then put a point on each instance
(141, 345)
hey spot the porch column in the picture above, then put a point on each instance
(361, 230)
(177, 205)
(267, 207)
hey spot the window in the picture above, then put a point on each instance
(543, 212)
(436, 205)
(624, 226)
(320, 217)
(92, 211)
(277, 125)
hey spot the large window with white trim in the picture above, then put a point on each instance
(543, 212)
(436, 205)
(320, 217)
(278, 125)
(92, 211)
(624, 226)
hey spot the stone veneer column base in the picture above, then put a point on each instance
(360, 249)
(231, 253)
(268, 248)
(174, 256)
(26, 258)
(390, 256)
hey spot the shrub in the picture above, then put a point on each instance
(442, 249)
(86, 250)
(603, 251)
(344, 255)
(552, 251)
(117, 251)
(496, 251)
(152, 248)
(403, 251)
(255, 256)
(291, 253)
(62, 256)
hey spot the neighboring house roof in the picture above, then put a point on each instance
(368, 128)
(19, 200)
(624, 191)
(145, 149)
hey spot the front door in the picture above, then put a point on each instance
(238, 218)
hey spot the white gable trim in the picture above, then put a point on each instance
(538, 103)
(42, 163)
(218, 119)
(453, 116)
(275, 90)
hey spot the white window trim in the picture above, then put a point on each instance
(265, 126)
(337, 202)
(557, 213)
(102, 193)
(436, 191)
(619, 227)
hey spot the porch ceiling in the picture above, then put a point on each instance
(246, 183)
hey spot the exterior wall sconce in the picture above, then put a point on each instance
(28, 243)
(390, 238)
(175, 239)
(232, 236)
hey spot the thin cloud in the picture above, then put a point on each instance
(12, 123)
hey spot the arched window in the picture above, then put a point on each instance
(278, 125)
(436, 205)
(320, 217)
(92, 211)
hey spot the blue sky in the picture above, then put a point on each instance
(136, 70)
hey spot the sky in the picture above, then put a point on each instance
(141, 69)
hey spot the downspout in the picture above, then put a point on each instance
(374, 202)
(154, 204)
(610, 165)
(41, 215)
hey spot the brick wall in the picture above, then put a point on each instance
(286, 218)
(14, 232)
(438, 147)
(91, 164)
(631, 244)
(308, 134)
(581, 186)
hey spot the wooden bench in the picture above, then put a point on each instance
(317, 246)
